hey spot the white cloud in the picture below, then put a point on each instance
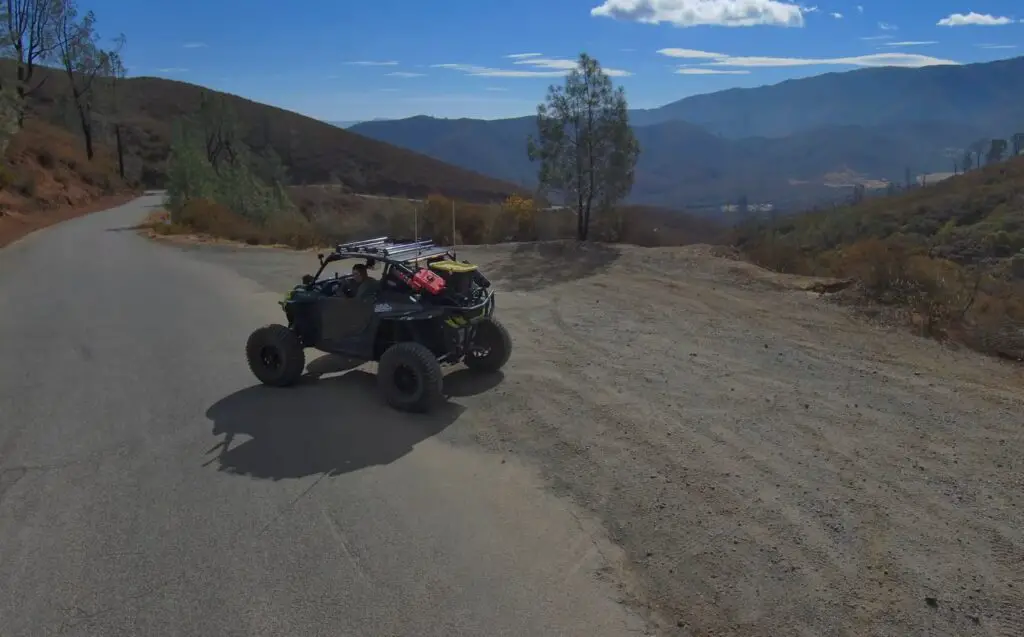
(690, 13)
(885, 26)
(692, 54)
(518, 56)
(538, 67)
(972, 19)
(405, 74)
(171, 70)
(876, 37)
(693, 70)
(371, 63)
(836, 15)
(911, 43)
(194, 45)
(809, 9)
(997, 46)
(909, 60)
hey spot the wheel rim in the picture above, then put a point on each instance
(406, 380)
(270, 357)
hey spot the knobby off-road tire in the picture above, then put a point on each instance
(410, 378)
(493, 336)
(275, 355)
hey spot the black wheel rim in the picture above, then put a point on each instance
(406, 380)
(270, 357)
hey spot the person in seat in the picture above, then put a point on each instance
(367, 286)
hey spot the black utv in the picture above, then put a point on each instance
(426, 310)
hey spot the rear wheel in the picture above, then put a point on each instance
(275, 355)
(410, 378)
(490, 348)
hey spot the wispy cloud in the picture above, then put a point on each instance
(909, 60)
(911, 43)
(997, 46)
(836, 15)
(520, 56)
(885, 26)
(404, 74)
(973, 19)
(535, 67)
(172, 70)
(697, 70)
(372, 63)
(860, 8)
(870, 38)
(691, 13)
(194, 45)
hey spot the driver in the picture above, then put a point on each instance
(367, 285)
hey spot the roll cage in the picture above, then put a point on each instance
(404, 255)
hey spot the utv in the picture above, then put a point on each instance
(428, 309)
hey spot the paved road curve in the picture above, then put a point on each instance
(121, 370)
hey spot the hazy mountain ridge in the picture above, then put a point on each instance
(875, 123)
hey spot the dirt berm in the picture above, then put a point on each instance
(771, 465)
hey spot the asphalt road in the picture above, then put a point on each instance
(122, 512)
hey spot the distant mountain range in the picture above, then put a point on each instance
(793, 143)
(350, 124)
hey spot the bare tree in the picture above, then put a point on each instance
(115, 73)
(29, 35)
(83, 61)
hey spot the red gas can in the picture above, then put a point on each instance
(426, 280)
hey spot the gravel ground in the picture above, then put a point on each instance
(769, 464)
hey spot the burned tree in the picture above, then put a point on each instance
(83, 61)
(29, 36)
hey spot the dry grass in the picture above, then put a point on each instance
(45, 178)
(980, 305)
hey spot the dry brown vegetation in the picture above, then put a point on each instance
(45, 178)
(948, 259)
(328, 216)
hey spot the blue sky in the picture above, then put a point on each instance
(352, 60)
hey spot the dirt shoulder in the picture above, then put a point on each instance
(15, 225)
(770, 464)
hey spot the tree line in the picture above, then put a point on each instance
(59, 34)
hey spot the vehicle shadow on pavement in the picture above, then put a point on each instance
(535, 266)
(325, 425)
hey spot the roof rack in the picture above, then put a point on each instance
(400, 250)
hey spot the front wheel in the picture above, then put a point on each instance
(410, 377)
(275, 355)
(490, 348)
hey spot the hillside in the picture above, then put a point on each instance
(989, 95)
(314, 151)
(948, 259)
(976, 218)
(684, 165)
(46, 178)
